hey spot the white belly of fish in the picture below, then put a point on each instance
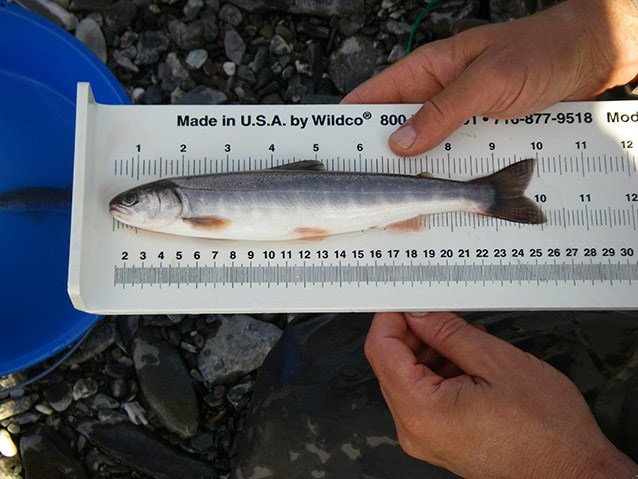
(271, 223)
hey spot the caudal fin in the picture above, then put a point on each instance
(510, 202)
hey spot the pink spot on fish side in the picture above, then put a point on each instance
(208, 223)
(306, 233)
(411, 224)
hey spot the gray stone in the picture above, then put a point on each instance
(120, 15)
(503, 11)
(313, 31)
(90, 33)
(203, 95)
(150, 46)
(395, 27)
(59, 395)
(192, 35)
(245, 73)
(230, 14)
(260, 59)
(279, 46)
(327, 8)
(47, 455)
(192, 9)
(238, 394)
(196, 58)
(237, 347)
(90, 5)
(234, 46)
(397, 52)
(441, 20)
(51, 11)
(353, 62)
(125, 62)
(140, 449)
(351, 24)
(173, 74)
(165, 383)
(101, 401)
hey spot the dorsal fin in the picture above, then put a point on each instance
(301, 165)
(425, 174)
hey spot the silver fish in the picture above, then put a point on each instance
(302, 200)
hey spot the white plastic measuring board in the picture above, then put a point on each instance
(586, 180)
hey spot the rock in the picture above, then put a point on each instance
(101, 337)
(196, 58)
(322, 8)
(224, 355)
(47, 455)
(353, 62)
(395, 27)
(14, 407)
(503, 11)
(125, 63)
(229, 68)
(7, 446)
(202, 95)
(120, 15)
(150, 46)
(165, 383)
(90, 5)
(313, 31)
(230, 14)
(278, 46)
(173, 74)
(89, 33)
(59, 396)
(84, 388)
(140, 449)
(234, 46)
(192, 35)
(351, 24)
(318, 410)
(51, 11)
(397, 52)
(246, 74)
(441, 20)
(192, 9)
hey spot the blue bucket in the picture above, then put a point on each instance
(40, 65)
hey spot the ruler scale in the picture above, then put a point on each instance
(586, 182)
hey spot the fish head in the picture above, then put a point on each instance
(151, 206)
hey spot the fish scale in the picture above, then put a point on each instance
(585, 256)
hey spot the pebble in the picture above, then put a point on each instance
(59, 395)
(90, 33)
(192, 9)
(7, 446)
(196, 58)
(234, 46)
(51, 11)
(150, 46)
(189, 36)
(14, 407)
(353, 62)
(135, 413)
(230, 14)
(83, 388)
(44, 409)
(46, 455)
(120, 15)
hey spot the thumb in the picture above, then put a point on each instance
(475, 351)
(437, 119)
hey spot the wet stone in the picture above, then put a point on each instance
(173, 74)
(14, 407)
(196, 58)
(59, 395)
(279, 46)
(46, 455)
(140, 449)
(7, 446)
(192, 9)
(165, 383)
(84, 388)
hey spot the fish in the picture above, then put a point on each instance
(32, 200)
(302, 200)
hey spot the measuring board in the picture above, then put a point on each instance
(586, 181)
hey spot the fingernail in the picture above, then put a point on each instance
(404, 136)
(418, 314)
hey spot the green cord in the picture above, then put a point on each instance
(416, 23)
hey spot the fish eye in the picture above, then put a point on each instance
(129, 199)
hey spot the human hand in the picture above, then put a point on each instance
(573, 51)
(482, 408)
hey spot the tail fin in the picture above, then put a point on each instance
(509, 186)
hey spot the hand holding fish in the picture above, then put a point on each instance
(472, 403)
(573, 51)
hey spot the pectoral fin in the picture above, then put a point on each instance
(208, 223)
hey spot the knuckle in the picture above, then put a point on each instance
(447, 326)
